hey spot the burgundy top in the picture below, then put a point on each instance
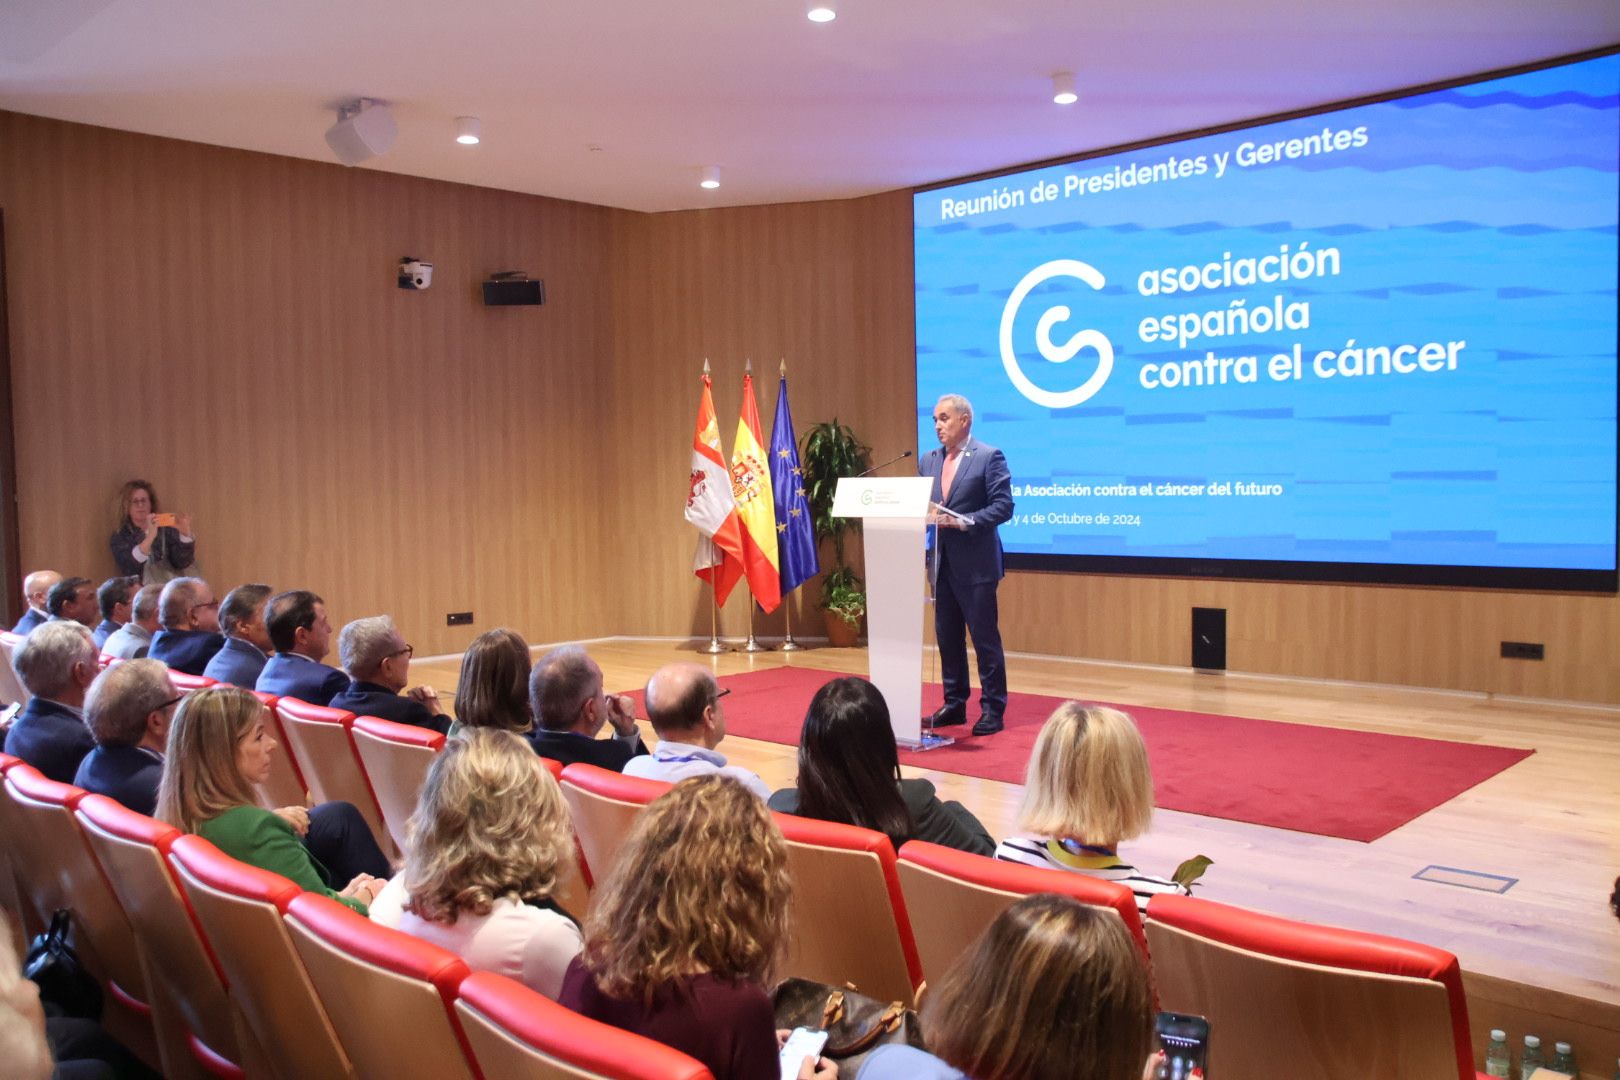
(729, 1027)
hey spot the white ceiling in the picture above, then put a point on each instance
(894, 93)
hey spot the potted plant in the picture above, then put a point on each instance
(830, 451)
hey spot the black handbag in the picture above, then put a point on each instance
(855, 1024)
(55, 968)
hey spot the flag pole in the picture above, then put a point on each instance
(752, 644)
(714, 647)
(788, 644)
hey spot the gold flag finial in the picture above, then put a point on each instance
(782, 370)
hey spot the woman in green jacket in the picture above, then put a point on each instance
(219, 747)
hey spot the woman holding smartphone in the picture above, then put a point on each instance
(149, 544)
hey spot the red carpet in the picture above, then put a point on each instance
(1356, 785)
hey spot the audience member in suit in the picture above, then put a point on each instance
(1052, 990)
(141, 547)
(133, 640)
(1088, 787)
(566, 696)
(379, 664)
(490, 842)
(56, 663)
(114, 599)
(708, 859)
(302, 637)
(683, 703)
(493, 689)
(849, 772)
(36, 587)
(247, 642)
(190, 636)
(73, 599)
(128, 712)
(219, 748)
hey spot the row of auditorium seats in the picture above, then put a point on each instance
(863, 914)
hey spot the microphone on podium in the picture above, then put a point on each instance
(885, 465)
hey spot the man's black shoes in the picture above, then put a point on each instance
(987, 725)
(947, 716)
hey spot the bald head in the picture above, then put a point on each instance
(37, 586)
(681, 700)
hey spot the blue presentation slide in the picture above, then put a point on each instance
(1377, 335)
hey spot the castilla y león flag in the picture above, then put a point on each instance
(711, 507)
(751, 487)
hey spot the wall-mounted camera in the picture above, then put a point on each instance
(414, 273)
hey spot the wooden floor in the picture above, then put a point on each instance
(1542, 957)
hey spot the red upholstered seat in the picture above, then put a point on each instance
(514, 1032)
(187, 683)
(391, 996)
(1287, 998)
(323, 746)
(395, 759)
(849, 916)
(604, 805)
(240, 907)
(952, 896)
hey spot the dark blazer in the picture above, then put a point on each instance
(569, 747)
(946, 823)
(104, 630)
(168, 550)
(237, 663)
(369, 699)
(307, 680)
(186, 650)
(31, 618)
(125, 774)
(982, 490)
(51, 738)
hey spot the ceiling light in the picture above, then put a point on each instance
(821, 11)
(710, 178)
(467, 130)
(1063, 88)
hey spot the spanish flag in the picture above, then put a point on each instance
(710, 506)
(756, 506)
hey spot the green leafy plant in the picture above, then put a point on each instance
(831, 450)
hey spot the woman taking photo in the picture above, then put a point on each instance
(493, 690)
(1088, 787)
(488, 842)
(849, 771)
(153, 546)
(218, 749)
(687, 931)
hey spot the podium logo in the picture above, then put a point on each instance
(1050, 350)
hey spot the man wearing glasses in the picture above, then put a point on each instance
(190, 616)
(683, 703)
(379, 664)
(128, 713)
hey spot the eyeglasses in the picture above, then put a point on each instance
(171, 703)
(210, 604)
(718, 694)
(409, 650)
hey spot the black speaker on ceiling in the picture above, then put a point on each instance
(514, 292)
(1209, 638)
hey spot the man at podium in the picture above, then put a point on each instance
(972, 496)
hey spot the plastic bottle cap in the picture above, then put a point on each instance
(1562, 1048)
(1533, 1042)
(1498, 1035)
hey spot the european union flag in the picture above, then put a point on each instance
(795, 536)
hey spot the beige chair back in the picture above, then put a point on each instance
(395, 758)
(604, 805)
(320, 743)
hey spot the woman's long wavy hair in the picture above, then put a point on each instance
(490, 823)
(201, 779)
(849, 770)
(700, 886)
(493, 691)
(126, 493)
(1053, 990)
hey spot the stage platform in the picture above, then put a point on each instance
(1513, 875)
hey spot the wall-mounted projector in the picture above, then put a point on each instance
(364, 129)
(513, 288)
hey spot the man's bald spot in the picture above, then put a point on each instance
(39, 583)
(676, 696)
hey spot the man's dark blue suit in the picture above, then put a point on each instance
(186, 650)
(125, 774)
(51, 738)
(310, 681)
(370, 699)
(236, 663)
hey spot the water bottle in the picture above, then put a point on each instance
(1497, 1062)
(1563, 1060)
(1531, 1060)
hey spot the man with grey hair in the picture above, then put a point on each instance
(570, 709)
(972, 496)
(190, 636)
(36, 587)
(247, 639)
(128, 712)
(683, 703)
(57, 663)
(132, 640)
(379, 664)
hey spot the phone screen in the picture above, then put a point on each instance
(803, 1043)
(1185, 1042)
(164, 520)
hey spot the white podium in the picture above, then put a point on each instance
(894, 511)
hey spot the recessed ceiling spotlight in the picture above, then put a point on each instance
(821, 11)
(1063, 88)
(710, 177)
(467, 130)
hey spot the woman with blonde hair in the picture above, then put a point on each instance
(1088, 787)
(219, 747)
(1053, 990)
(493, 690)
(689, 928)
(487, 845)
(150, 545)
